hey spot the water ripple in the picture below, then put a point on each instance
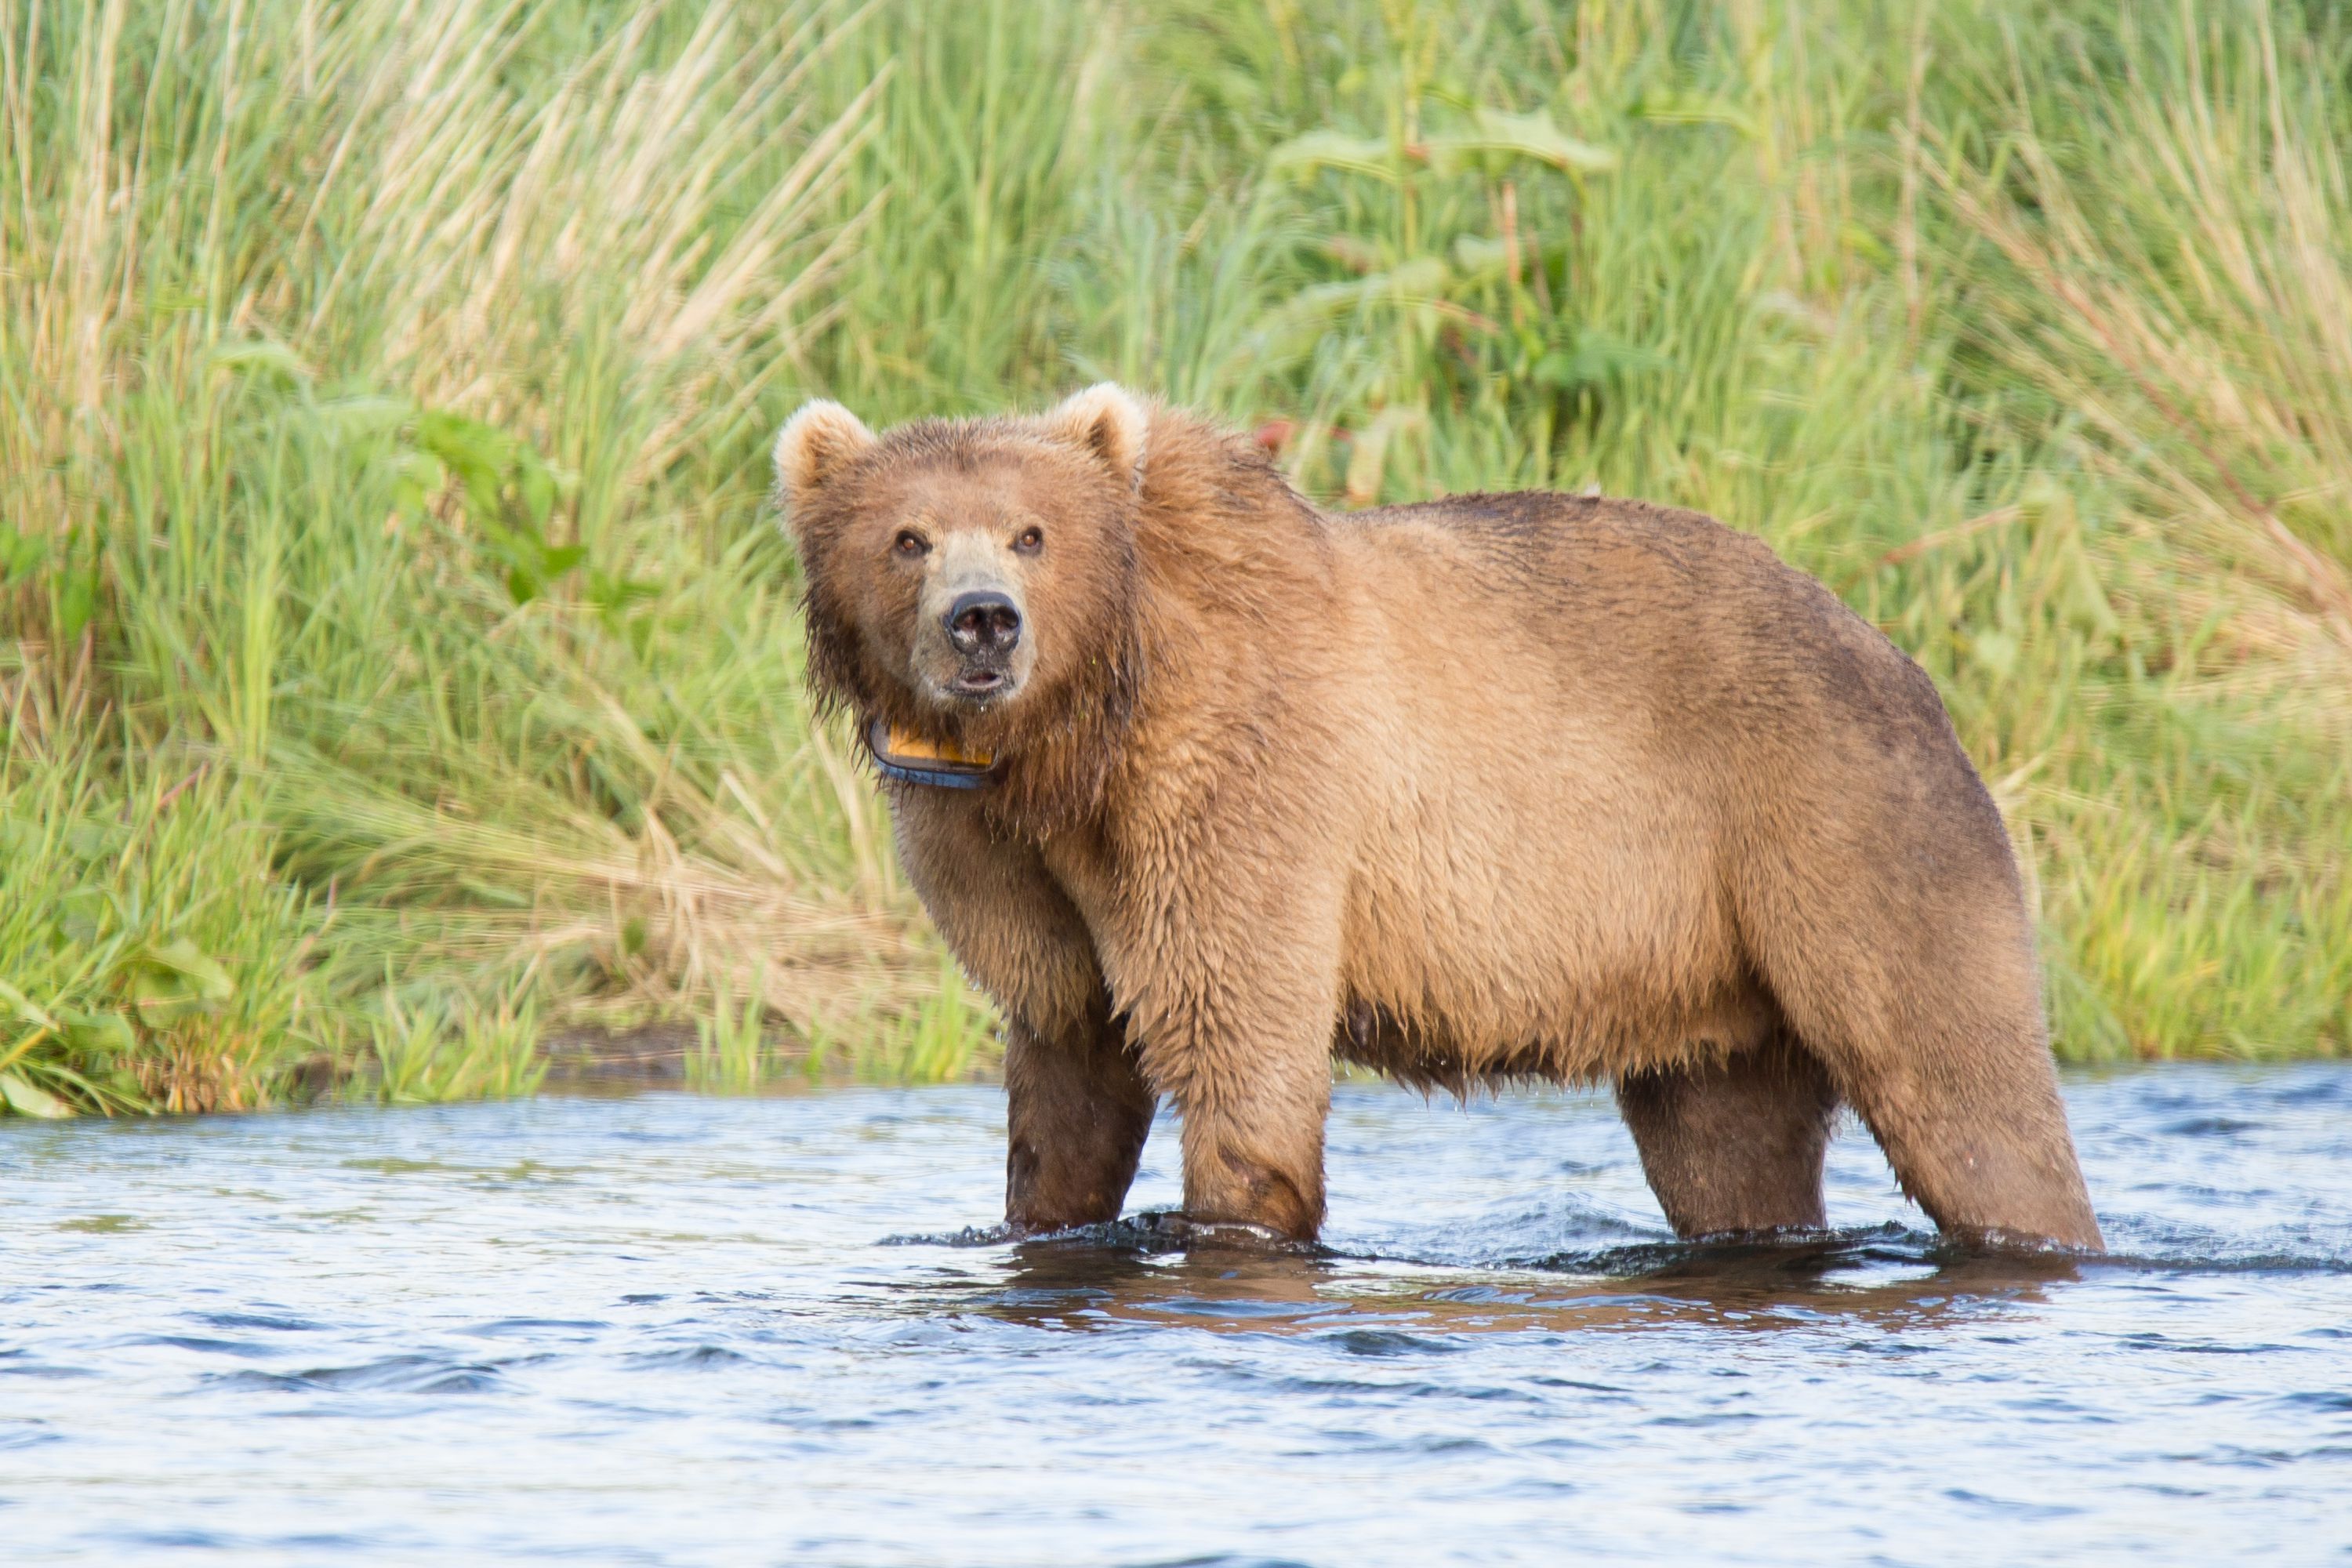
(672, 1331)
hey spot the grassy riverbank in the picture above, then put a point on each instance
(398, 664)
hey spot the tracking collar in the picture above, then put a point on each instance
(910, 759)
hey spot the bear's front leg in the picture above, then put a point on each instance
(1077, 1113)
(1256, 1158)
(1235, 1022)
(1077, 1107)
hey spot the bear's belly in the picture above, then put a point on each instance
(1588, 942)
(1595, 1046)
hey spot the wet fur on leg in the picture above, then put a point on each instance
(1733, 1148)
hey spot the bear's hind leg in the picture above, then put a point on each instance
(1077, 1113)
(1913, 981)
(1971, 1121)
(1733, 1148)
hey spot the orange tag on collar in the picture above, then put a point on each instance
(910, 759)
(915, 748)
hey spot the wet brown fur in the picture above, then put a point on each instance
(1521, 786)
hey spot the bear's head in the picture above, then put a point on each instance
(972, 582)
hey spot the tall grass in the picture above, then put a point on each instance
(381, 391)
(384, 387)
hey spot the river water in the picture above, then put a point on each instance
(671, 1330)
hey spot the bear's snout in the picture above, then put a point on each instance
(975, 645)
(983, 621)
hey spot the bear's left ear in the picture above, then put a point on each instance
(1107, 421)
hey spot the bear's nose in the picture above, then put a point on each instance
(983, 621)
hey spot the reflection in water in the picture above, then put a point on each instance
(1886, 1277)
(678, 1330)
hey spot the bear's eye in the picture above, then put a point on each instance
(1032, 540)
(910, 544)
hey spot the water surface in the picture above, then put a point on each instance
(680, 1331)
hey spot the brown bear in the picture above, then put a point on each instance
(1205, 787)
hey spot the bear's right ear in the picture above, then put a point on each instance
(814, 444)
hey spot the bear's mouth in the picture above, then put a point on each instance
(981, 682)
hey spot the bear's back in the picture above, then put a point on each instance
(1657, 637)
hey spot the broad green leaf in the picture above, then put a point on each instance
(77, 602)
(1302, 156)
(1681, 109)
(462, 443)
(82, 914)
(536, 486)
(164, 998)
(1425, 278)
(1306, 314)
(27, 1010)
(29, 1099)
(20, 553)
(616, 596)
(262, 356)
(204, 973)
(481, 494)
(417, 477)
(1594, 358)
(1995, 652)
(91, 842)
(478, 454)
(1477, 255)
(101, 1032)
(1483, 256)
(1498, 136)
(370, 415)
